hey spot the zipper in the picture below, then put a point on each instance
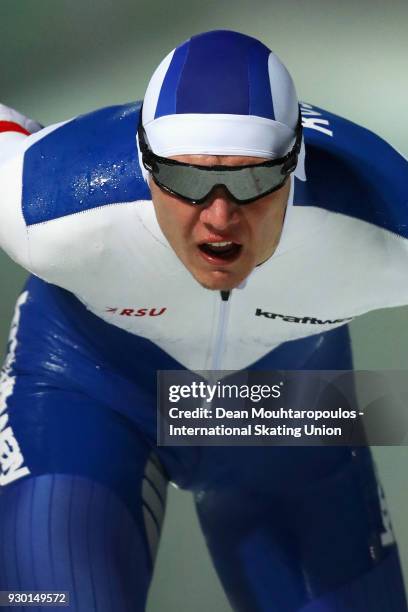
(221, 330)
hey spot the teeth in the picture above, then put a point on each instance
(219, 244)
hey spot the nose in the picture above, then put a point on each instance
(220, 212)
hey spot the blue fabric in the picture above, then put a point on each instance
(88, 162)
(218, 72)
(168, 98)
(214, 81)
(355, 173)
(83, 412)
(313, 546)
(260, 94)
(379, 590)
(62, 532)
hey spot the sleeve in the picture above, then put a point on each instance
(68, 192)
(16, 133)
(351, 170)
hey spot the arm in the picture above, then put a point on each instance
(13, 121)
(15, 130)
(69, 193)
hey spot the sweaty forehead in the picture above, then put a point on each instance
(219, 160)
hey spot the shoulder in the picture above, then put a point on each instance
(85, 163)
(352, 171)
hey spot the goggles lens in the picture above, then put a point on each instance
(194, 183)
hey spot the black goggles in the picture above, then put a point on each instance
(194, 183)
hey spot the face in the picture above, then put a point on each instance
(195, 231)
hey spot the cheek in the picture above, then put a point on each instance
(263, 220)
(266, 225)
(272, 209)
(175, 218)
(162, 204)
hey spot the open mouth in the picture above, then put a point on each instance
(220, 251)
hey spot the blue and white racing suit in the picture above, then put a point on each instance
(108, 304)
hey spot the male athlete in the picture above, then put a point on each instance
(201, 232)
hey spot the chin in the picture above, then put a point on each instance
(219, 281)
